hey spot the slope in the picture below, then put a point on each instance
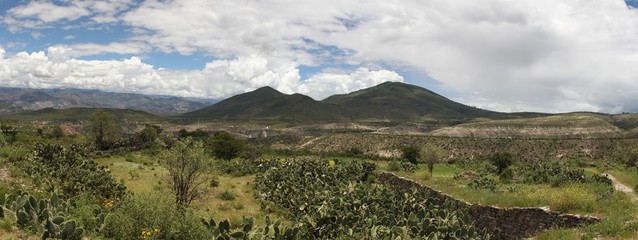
(267, 103)
(400, 101)
(15, 100)
(82, 114)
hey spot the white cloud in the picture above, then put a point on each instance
(324, 85)
(219, 79)
(90, 49)
(48, 12)
(526, 55)
(43, 13)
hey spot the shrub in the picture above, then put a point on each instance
(506, 175)
(238, 206)
(226, 146)
(337, 203)
(227, 195)
(401, 166)
(214, 182)
(353, 152)
(501, 161)
(411, 154)
(148, 212)
(483, 182)
(63, 169)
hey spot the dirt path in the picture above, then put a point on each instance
(311, 141)
(622, 187)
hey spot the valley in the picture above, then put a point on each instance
(270, 165)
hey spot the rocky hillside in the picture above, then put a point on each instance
(16, 100)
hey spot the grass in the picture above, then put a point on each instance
(628, 176)
(617, 211)
(215, 203)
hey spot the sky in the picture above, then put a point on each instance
(503, 55)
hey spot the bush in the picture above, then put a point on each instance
(214, 182)
(401, 166)
(483, 182)
(227, 195)
(238, 206)
(570, 198)
(501, 161)
(411, 154)
(62, 169)
(506, 175)
(335, 202)
(149, 212)
(226, 146)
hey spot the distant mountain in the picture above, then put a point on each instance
(82, 114)
(16, 100)
(267, 103)
(400, 101)
(390, 101)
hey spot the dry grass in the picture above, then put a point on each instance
(152, 177)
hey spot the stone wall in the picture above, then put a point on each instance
(502, 223)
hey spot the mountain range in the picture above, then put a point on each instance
(389, 101)
(16, 100)
(386, 102)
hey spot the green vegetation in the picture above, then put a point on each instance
(229, 181)
(411, 154)
(576, 192)
(188, 169)
(102, 129)
(226, 146)
(431, 154)
(337, 201)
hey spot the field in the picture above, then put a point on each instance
(618, 211)
(303, 182)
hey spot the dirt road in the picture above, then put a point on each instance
(622, 187)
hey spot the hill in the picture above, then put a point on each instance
(386, 102)
(267, 103)
(16, 100)
(568, 125)
(82, 114)
(400, 101)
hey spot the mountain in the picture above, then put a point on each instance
(267, 103)
(82, 114)
(16, 100)
(389, 101)
(400, 101)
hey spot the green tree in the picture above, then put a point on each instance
(102, 129)
(188, 169)
(9, 132)
(148, 135)
(631, 160)
(57, 132)
(226, 146)
(411, 154)
(501, 161)
(431, 154)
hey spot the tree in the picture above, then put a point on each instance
(501, 161)
(631, 160)
(102, 129)
(226, 146)
(149, 134)
(411, 154)
(431, 154)
(9, 132)
(188, 169)
(57, 131)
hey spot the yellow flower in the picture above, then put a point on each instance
(155, 230)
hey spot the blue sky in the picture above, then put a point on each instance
(550, 56)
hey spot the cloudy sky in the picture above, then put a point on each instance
(505, 55)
